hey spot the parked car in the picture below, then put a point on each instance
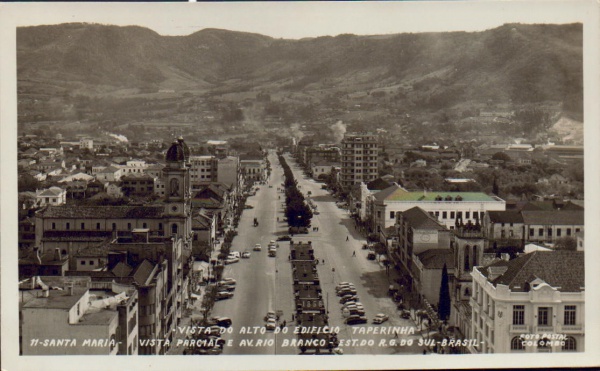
(284, 238)
(229, 281)
(257, 247)
(234, 254)
(380, 318)
(346, 291)
(353, 304)
(371, 255)
(405, 314)
(221, 321)
(348, 298)
(231, 260)
(221, 295)
(272, 252)
(356, 311)
(246, 254)
(343, 284)
(353, 320)
(272, 243)
(226, 287)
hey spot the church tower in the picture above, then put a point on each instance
(177, 200)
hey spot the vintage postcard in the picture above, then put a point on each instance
(249, 185)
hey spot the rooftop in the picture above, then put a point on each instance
(103, 212)
(509, 216)
(420, 219)
(553, 217)
(436, 258)
(58, 299)
(561, 269)
(397, 193)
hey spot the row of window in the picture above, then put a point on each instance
(114, 226)
(549, 232)
(544, 315)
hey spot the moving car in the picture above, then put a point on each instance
(272, 251)
(271, 315)
(246, 254)
(380, 318)
(271, 324)
(221, 295)
(272, 243)
(355, 319)
(257, 247)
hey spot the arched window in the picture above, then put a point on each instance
(517, 343)
(467, 260)
(467, 292)
(570, 344)
(174, 228)
(474, 256)
(543, 345)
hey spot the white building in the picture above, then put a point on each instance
(86, 143)
(517, 303)
(203, 169)
(360, 155)
(54, 196)
(134, 167)
(447, 207)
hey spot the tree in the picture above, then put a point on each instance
(501, 156)
(444, 302)
(379, 249)
(495, 189)
(565, 243)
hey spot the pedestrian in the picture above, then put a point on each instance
(323, 261)
(347, 238)
(284, 323)
(293, 316)
(354, 253)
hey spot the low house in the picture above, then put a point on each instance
(54, 196)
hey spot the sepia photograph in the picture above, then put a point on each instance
(244, 185)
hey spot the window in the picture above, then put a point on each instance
(83, 262)
(568, 231)
(467, 260)
(391, 215)
(558, 232)
(518, 314)
(540, 232)
(467, 214)
(516, 343)
(543, 316)
(379, 214)
(53, 225)
(68, 226)
(549, 232)
(570, 344)
(444, 214)
(437, 214)
(174, 228)
(570, 314)
(160, 226)
(144, 225)
(82, 226)
(577, 230)
(97, 225)
(91, 262)
(114, 226)
(451, 214)
(459, 215)
(128, 225)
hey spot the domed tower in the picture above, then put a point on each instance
(177, 199)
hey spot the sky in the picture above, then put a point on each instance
(294, 20)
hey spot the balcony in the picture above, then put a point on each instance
(543, 329)
(522, 329)
(570, 329)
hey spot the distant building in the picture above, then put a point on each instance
(519, 304)
(138, 185)
(203, 169)
(54, 196)
(86, 143)
(360, 158)
(548, 226)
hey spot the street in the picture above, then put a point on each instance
(265, 283)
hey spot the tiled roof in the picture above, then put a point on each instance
(420, 219)
(561, 269)
(93, 251)
(554, 217)
(436, 258)
(52, 191)
(103, 212)
(505, 217)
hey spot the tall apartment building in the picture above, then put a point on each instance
(360, 153)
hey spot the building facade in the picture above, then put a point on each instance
(520, 305)
(360, 157)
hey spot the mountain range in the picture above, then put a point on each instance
(514, 62)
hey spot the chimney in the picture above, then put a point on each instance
(57, 256)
